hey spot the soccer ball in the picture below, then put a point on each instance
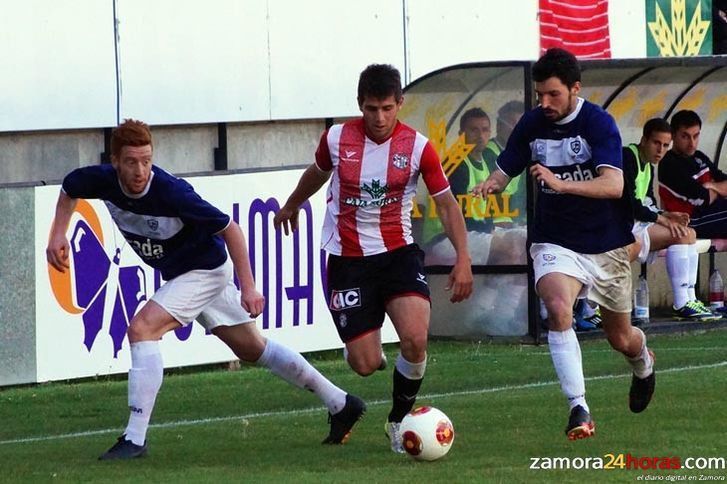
(427, 433)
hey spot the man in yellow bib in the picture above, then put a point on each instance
(656, 229)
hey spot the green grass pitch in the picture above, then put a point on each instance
(507, 409)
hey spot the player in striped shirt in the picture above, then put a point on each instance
(374, 266)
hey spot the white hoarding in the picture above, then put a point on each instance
(81, 318)
(58, 64)
(315, 64)
(185, 61)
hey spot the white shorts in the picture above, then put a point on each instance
(641, 233)
(209, 296)
(606, 277)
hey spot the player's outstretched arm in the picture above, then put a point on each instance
(252, 301)
(495, 183)
(310, 182)
(58, 248)
(460, 279)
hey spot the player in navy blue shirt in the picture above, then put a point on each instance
(168, 224)
(174, 230)
(582, 227)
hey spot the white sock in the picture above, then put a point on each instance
(413, 371)
(693, 268)
(293, 368)
(566, 354)
(678, 267)
(643, 364)
(145, 379)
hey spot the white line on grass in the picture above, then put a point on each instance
(431, 396)
(656, 350)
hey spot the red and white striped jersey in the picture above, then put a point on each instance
(578, 26)
(371, 192)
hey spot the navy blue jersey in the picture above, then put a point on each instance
(168, 225)
(573, 149)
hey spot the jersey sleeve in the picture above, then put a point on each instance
(432, 172)
(88, 182)
(605, 141)
(198, 212)
(323, 154)
(677, 178)
(516, 155)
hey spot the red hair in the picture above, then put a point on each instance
(130, 133)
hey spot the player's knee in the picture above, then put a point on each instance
(138, 331)
(690, 238)
(560, 312)
(363, 366)
(414, 348)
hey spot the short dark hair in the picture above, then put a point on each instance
(557, 63)
(130, 133)
(685, 119)
(379, 81)
(656, 125)
(472, 114)
(511, 107)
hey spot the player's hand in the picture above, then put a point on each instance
(460, 281)
(485, 188)
(545, 176)
(58, 251)
(253, 302)
(678, 217)
(285, 216)
(677, 229)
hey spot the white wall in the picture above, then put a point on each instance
(193, 62)
(319, 47)
(57, 59)
(627, 20)
(186, 61)
(442, 34)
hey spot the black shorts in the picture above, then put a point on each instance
(359, 287)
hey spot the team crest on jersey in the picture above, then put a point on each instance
(375, 189)
(575, 146)
(400, 161)
(153, 224)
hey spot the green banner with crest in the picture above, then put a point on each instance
(676, 28)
